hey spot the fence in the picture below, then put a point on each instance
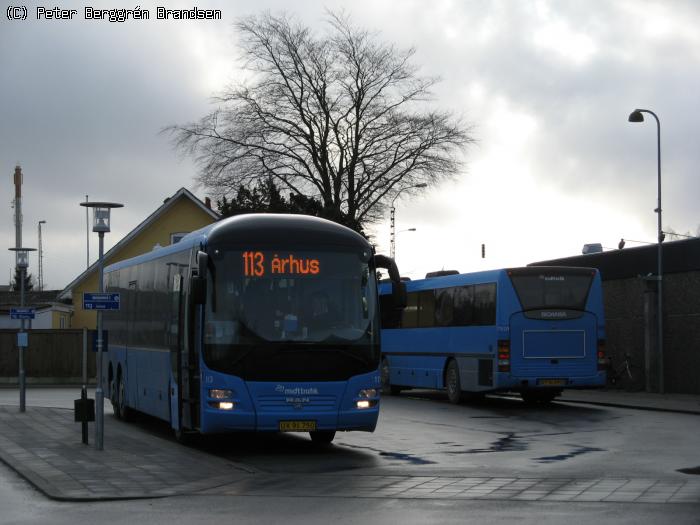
(52, 357)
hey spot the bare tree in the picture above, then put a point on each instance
(340, 117)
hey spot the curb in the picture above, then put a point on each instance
(627, 405)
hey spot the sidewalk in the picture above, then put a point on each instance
(682, 403)
(44, 446)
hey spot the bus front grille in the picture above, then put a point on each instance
(296, 403)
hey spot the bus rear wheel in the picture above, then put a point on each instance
(114, 398)
(452, 383)
(322, 437)
(539, 397)
(124, 411)
(387, 387)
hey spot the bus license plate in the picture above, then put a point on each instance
(551, 382)
(297, 426)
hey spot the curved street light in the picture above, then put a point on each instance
(637, 116)
(392, 250)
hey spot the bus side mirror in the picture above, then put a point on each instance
(198, 283)
(198, 290)
(398, 293)
(202, 264)
(398, 288)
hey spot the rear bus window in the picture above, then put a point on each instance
(544, 290)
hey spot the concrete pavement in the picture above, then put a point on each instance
(44, 446)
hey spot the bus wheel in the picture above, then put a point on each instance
(539, 397)
(322, 437)
(124, 411)
(387, 387)
(114, 398)
(452, 383)
(185, 438)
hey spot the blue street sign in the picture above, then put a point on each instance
(100, 301)
(22, 313)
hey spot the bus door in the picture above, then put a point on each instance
(175, 343)
(188, 378)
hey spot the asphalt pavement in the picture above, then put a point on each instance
(44, 445)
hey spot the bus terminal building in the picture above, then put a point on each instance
(629, 278)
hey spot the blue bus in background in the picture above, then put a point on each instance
(258, 322)
(533, 330)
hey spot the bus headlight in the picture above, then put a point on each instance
(367, 398)
(217, 393)
(222, 405)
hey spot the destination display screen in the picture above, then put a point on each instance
(261, 264)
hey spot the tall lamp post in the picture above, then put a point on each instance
(100, 225)
(637, 116)
(40, 277)
(22, 262)
(392, 251)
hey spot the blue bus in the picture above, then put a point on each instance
(258, 322)
(534, 331)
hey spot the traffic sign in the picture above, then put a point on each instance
(100, 301)
(22, 313)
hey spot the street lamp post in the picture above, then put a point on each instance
(392, 251)
(100, 225)
(22, 262)
(40, 277)
(637, 116)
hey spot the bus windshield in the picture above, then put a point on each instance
(543, 288)
(291, 303)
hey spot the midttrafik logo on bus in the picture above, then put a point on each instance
(296, 391)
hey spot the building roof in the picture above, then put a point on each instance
(677, 257)
(182, 193)
(31, 298)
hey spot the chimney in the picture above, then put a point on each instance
(207, 202)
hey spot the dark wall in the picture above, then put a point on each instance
(625, 326)
(52, 357)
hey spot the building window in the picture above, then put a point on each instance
(62, 321)
(177, 237)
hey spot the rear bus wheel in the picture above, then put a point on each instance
(322, 437)
(452, 383)
(124, 410)
(114, 398)
(539, 397)
(387, 387)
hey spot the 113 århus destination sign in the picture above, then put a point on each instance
(100, 301)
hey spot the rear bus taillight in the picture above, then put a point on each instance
(504, 355)
(602, 359)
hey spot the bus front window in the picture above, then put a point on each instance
(279, 301)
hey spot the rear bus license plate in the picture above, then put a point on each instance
(297, 426)
(551, 382)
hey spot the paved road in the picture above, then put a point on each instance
(492, 462)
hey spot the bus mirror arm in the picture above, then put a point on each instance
(398, 288)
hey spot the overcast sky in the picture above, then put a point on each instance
(547, 86)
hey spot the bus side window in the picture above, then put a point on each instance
(444, 306)
(409, 319)
(463, 305)
(426, 309)
(485, 304)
